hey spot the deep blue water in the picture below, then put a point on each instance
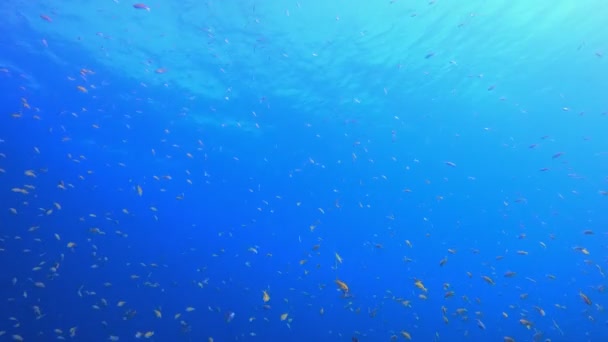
(163, 167)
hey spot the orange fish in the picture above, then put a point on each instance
(585, 298)
(342, 286)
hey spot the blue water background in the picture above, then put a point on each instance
(383, 132)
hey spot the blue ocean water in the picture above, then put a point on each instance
(303, 171)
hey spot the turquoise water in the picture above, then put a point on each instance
(297, 171)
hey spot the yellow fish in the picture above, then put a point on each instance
(265, 296)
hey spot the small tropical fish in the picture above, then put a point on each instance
(141, 6)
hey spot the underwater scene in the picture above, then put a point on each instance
(257, 170)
